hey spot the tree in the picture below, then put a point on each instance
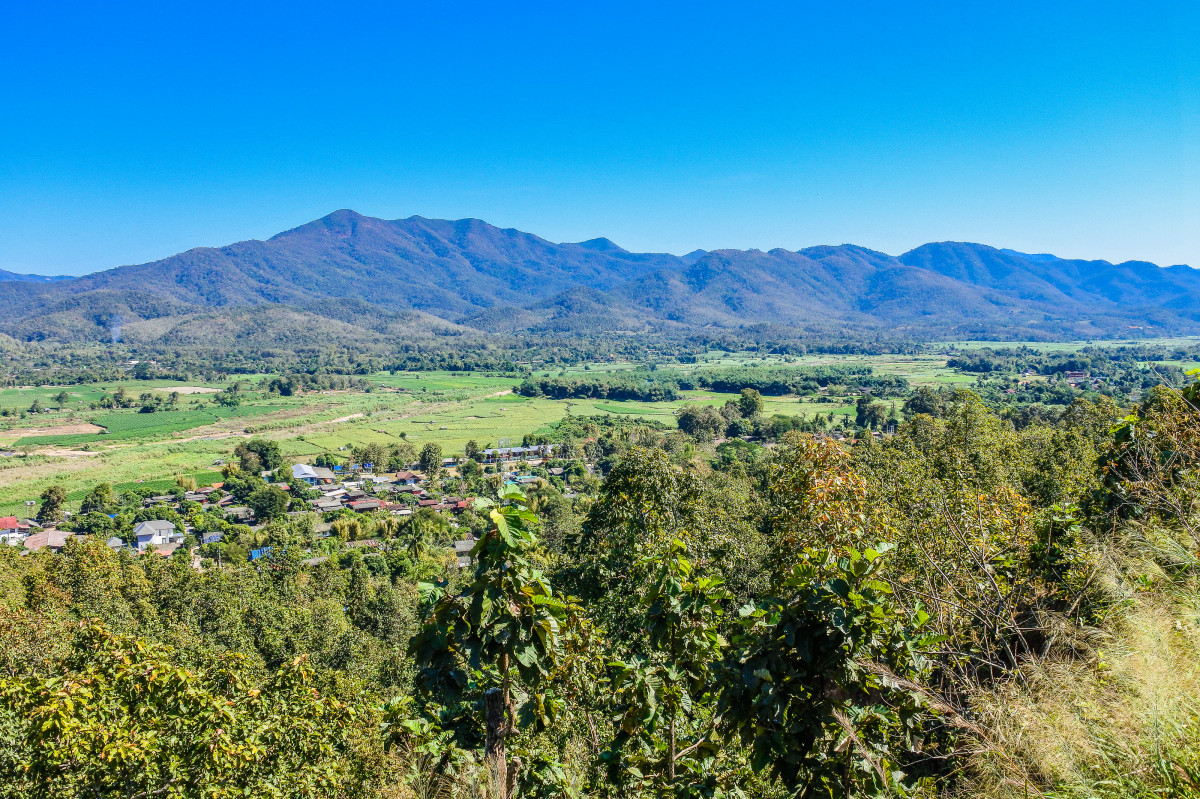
(925, 401)
(750, 403)
(661, 695)
(61, 398)
(472, 451)
(431, 460)
(258, 454)
(99, 499)
(702, 421)
(400, 457)
(347, 528)
(36, 407)
(816, 685)
(418, 531)
(869, 413)
(51, 510)
(268, 502)
(126, 717)
(506, 626)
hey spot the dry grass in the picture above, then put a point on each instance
(1123, 723)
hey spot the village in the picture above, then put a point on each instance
(197, 519)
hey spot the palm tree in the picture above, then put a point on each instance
(419, 531)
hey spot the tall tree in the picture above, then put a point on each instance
(52, 501)
(431, 460)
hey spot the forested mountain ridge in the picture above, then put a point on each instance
(470, 273)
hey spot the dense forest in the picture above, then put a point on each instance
(969, 607)
(653, 385)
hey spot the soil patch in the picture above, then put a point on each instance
(58, 430)
(189, 389)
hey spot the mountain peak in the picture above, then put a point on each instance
(601, 245)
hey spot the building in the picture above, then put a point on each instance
(54, 540)
(12, 532)
(506, 454)
(313, 475)
(462, 550)
(156, 533)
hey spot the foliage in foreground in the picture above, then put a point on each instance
(967, 608)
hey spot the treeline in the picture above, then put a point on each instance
(777, 381)
(654, 385)
(1096, 360)
(617, 386)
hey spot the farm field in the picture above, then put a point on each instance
(20, 398)
(918, 369)
(448, 408)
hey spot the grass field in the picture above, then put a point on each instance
(448, 408)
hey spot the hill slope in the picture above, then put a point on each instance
(372, 277)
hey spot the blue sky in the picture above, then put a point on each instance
(131, 131)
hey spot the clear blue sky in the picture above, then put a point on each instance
(129, 132)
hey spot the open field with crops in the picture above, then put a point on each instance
(449, 408)
(79, 444)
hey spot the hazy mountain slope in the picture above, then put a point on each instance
(449, 268)
(13, 276)
(1084, 283)
(348, 276)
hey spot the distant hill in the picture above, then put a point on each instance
(346, 275)
(5, 275)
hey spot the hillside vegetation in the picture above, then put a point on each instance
(969, 607)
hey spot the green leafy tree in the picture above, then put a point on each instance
(750, 403)
(53, 500)
(925, 400)
(99, 500)
(419, 530)
(268, 502)
(702, 421)
(125, 717)
(819, 684)
(257, 454)
(661, 696)
(431, 460)
(506, 628)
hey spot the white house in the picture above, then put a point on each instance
(313, 475)
(157, 533)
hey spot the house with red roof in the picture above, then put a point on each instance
(12, 532)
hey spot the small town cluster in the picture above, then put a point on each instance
(198, 518)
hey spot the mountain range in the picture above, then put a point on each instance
(347, 277)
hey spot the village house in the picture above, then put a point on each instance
(313, 475)
(54, 540)
(462, 549)
(507, 454)
(12, 532)
(156, 533)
